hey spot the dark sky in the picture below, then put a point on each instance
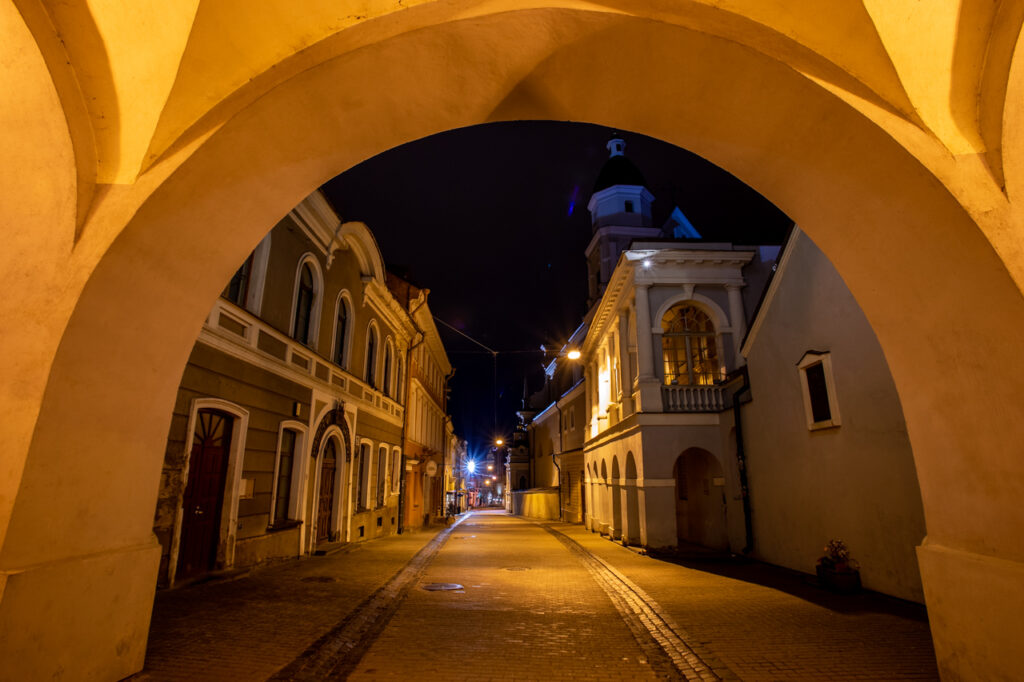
(493, 220)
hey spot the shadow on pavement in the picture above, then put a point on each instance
(800, 585)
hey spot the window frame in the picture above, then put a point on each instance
(814, 358)
(291, 515)
(341, 348)
(316, 302)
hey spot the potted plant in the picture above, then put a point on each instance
(836, 570)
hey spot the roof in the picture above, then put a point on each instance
(618, 170)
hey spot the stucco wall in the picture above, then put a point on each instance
(855, 482)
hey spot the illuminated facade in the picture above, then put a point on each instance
(427, 430)
(286, 432)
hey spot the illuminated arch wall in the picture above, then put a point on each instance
(890, 132)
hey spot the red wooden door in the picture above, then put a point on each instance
(204, 493)
(325, 502)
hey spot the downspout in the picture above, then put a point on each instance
(405, 415)
(741, 459)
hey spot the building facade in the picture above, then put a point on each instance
(695, 434)
(427, 429)
(288, 428)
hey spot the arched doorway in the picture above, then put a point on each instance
(615, 493)
(631, 525)
(327, 492)
(700, 500)
(204, 493)
(872, 147)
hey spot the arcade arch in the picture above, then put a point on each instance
(883, 157)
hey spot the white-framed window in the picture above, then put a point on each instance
(289, 446)
(342, 329)
(387, 374)
(382, 473)
(309, 286)
(372, 347)
(396, 470)
(362, 476)
(689, 347)
(818, 386)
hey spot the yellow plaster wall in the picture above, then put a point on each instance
(808, 112)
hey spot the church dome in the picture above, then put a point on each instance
(618, 170)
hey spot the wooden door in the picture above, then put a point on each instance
(325, 503)
(204, 493)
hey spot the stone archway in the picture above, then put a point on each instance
(700, 503)
(615, 494)
(898, 183)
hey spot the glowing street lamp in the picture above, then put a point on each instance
(499, 442)
(573, 354)
(471, 466)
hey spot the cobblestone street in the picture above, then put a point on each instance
(536, 602)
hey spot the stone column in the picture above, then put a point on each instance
(625, 368)
(739, 320)
(649, 393)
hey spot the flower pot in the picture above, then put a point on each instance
(842, 581)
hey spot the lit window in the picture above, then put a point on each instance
(304, 305)
(819, 392)
(689, 349)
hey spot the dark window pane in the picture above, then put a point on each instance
(284, 475)
(818, 391)
(303, 306)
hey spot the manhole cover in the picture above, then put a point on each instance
(517, 568)
(318, 579)
(442, 587)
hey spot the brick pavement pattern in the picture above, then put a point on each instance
(533, 607)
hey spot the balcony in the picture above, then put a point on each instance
(712, 398)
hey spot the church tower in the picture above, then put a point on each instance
(620, 211)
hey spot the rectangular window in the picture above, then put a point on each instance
(364, 454)
(819, 392)
(285, 465)
(382, 470)
(629, 206)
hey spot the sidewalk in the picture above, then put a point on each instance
(769, 623)
(249, 627)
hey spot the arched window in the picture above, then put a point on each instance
(304, 297)
(371, 357)
(341, 325)
(386, 379)
(688, 347)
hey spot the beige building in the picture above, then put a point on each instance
(287, 428)
(826, 445)
(426, 436)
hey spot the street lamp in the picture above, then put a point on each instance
(499, 442)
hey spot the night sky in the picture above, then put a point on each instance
(493, 220)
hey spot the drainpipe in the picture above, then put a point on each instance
(741, 459)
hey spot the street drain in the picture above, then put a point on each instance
(317, 579)
(442, 587)
(516, 568)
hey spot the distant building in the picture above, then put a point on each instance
(426, 436)
(287, 434)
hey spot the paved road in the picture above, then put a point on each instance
(535, 602)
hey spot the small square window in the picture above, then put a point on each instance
(629, 206)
